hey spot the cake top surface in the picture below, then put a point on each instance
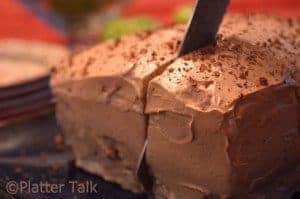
(251, 53)
(137, 54)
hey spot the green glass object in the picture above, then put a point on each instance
(122, 26)
(183, 14)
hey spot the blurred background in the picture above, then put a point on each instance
(86, 21)
(34, 36)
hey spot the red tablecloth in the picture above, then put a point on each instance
(16, 21)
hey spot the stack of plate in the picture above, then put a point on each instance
(24, 78)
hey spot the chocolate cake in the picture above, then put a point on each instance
(221, 122)
(101, 98)
(224, 120)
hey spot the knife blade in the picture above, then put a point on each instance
(142, 170)
(203, 25)
(201, 31)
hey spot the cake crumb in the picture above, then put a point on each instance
(263, 81)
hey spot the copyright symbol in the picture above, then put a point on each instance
(12, 187)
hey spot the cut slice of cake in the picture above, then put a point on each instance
(224, 121)
(101, 98)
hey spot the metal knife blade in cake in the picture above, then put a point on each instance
(203, 25)
(202, 29)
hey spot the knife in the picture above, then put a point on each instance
(203, 25)
(202, 29)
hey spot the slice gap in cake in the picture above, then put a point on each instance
(101, 95)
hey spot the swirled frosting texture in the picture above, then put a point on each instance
(100, 96)
(224, 121)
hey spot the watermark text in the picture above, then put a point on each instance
(44, 187)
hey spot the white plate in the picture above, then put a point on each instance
(22, 61)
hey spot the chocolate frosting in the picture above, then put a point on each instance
(101, 98)
(224, 120)
(119, 68)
